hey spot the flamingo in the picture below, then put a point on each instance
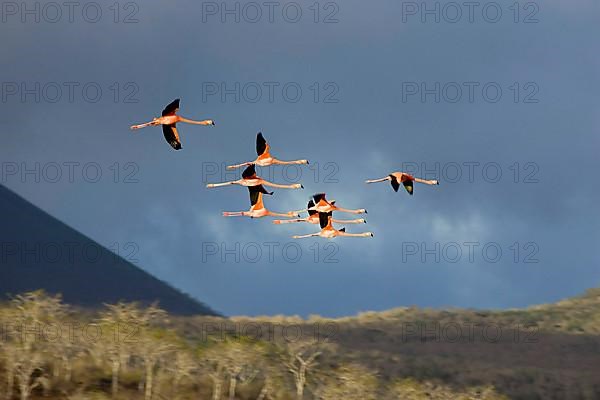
(264, 158)
(407, 180)
(168, 120)
(322, 205)
(313, 218)
(329, 232)
(257, 208)
(249, 178)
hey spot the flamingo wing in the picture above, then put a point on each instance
(343, 230)
(310, 205)
(249, 172)
(172, 108)
(254, 191)
(171, 136)
(324, 219)
(408, 185)
(261, 144)
(318, 197)
(394, 182)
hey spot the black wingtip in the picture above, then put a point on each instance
(301, 186)
(366, 212)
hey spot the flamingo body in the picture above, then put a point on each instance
(168, 120)
(329, 232)
(257, 208)
(407, 180)
(265, 158)
(249, 178)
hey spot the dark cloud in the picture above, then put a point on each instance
(366, 57)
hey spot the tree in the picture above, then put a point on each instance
(271, 375)
(234, 359)
(350, 382)
(152, 347)
(411, 389)
(183, 365)
(300, 358)
(26, 351)
(124, 321)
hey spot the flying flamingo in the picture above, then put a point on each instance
(313, 218)
(168, 120)
(264, 157)
(257, 209)
(329, 232)
(249, 178)
(322, 205)
(406, 179)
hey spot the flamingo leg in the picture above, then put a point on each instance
(366, 234)
(191, 121)
(276, 185)
(240, 165)
(214, 185)
(234, 213)
(359, 211)
(428, 181)
(387, 178)
(304, 236)
(349, 221)
(280, 162)
(300, 211)
(140, 126)
(275, 214)
(288, 221)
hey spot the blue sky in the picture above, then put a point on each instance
(541, 135)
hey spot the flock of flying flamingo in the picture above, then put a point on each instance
(319, 209)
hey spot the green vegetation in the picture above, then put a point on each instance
(53, 351)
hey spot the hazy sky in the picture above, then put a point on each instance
(505, 113)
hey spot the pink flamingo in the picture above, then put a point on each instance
(168, 120)
(329, 232)
(314, 216)
(264, 157)
(407, 180)
(249, 178)
(257, 208)
(322, 205)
